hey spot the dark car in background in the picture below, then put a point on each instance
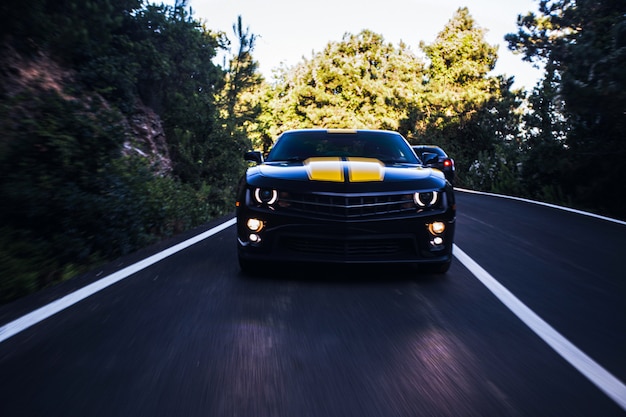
(435, 157)
(343, 197)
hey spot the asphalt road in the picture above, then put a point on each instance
(191, 336)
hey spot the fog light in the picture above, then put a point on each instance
(254, 238)
(437, 228)
(438, 241)
(254, 225)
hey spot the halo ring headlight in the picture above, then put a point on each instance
(265, 195)
(425, 199)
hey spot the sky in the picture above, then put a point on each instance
(288, 31)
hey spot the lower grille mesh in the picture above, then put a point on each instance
(348, 248)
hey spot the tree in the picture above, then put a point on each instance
(74, 31)
(459, 56)
(583, 46)
(464, 109)
(71, 197)
(180, 81)
(241, 78)
(359, 82)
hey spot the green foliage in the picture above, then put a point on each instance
(463, 109)
(21, 257)
(181, 83)
(241, 78)
(70, 198)
(577, 112)
(358, 82)
(54, 180)
(495, 171)
(460, 57)
(362, 82)
(174, 52)
(74, 31)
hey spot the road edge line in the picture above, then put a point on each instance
(600, 377)
(541, 203)
(19, 325)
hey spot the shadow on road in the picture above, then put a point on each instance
(343, 274)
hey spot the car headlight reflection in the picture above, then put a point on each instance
(426, 199)
(265, 195)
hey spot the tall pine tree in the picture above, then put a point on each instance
(465, 109)
(583, 47)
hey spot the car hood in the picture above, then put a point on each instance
(345, 171)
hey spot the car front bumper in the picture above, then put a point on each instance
(405, 239)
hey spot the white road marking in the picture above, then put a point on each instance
(600, 377)
(540, 203)
(36, 316)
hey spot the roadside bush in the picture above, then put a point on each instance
(70, 200)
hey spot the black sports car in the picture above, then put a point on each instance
(344, 196)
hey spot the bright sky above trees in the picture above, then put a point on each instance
(289, 30)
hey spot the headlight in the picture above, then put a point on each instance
(254, 225)
(426, 199)
(265, 195)
(437, 228)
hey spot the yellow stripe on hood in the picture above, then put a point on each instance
(324, 169)
(366, 169)
(332, 169)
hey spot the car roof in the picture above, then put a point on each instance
(338, 131)
(430, 148)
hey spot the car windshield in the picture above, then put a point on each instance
(300, 145)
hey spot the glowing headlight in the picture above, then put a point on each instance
(265, 195)
(426, 199)
(254, 225)
(436, 228)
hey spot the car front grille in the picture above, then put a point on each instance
(347, 206)
(348, 248)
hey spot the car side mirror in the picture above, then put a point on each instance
(254, 156)
(428, 158)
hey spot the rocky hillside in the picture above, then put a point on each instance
(24, 76)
